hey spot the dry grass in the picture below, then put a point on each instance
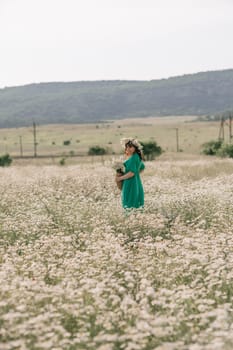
(50, 138)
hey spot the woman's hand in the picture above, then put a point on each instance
(118, 178)
(125, 177)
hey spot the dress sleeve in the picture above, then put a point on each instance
(142, 166)
(133, 164)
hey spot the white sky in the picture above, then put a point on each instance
(71, 40)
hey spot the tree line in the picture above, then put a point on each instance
(200, 94)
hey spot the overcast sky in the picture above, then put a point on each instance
(71, 40)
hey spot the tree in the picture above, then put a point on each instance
(151, 150)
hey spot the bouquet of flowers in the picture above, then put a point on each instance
(119, 167)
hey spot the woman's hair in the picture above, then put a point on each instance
(137, 150)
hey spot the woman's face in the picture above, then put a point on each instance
(130, 150)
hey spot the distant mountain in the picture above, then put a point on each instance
(95, 101)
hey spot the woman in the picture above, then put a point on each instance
(132, 190)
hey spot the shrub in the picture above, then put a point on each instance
(62, 161)
(151, 150)
(66, 142)
(226, 151)
(96, 151)
(5, 160)
(211, 148)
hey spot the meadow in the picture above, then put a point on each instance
(50, 138)
(78, 273)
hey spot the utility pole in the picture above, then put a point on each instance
(21, 146)
(34, 136)
(6, 146)
(177, 140)
(221, 130)
(230, 128)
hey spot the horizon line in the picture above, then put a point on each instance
(113, 80)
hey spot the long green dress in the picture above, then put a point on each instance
(132, 189)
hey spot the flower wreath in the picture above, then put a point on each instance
(134, 142)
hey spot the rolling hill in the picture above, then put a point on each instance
(95, 101)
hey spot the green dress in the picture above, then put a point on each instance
(132, 189)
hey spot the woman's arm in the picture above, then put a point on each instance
(125, 177)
